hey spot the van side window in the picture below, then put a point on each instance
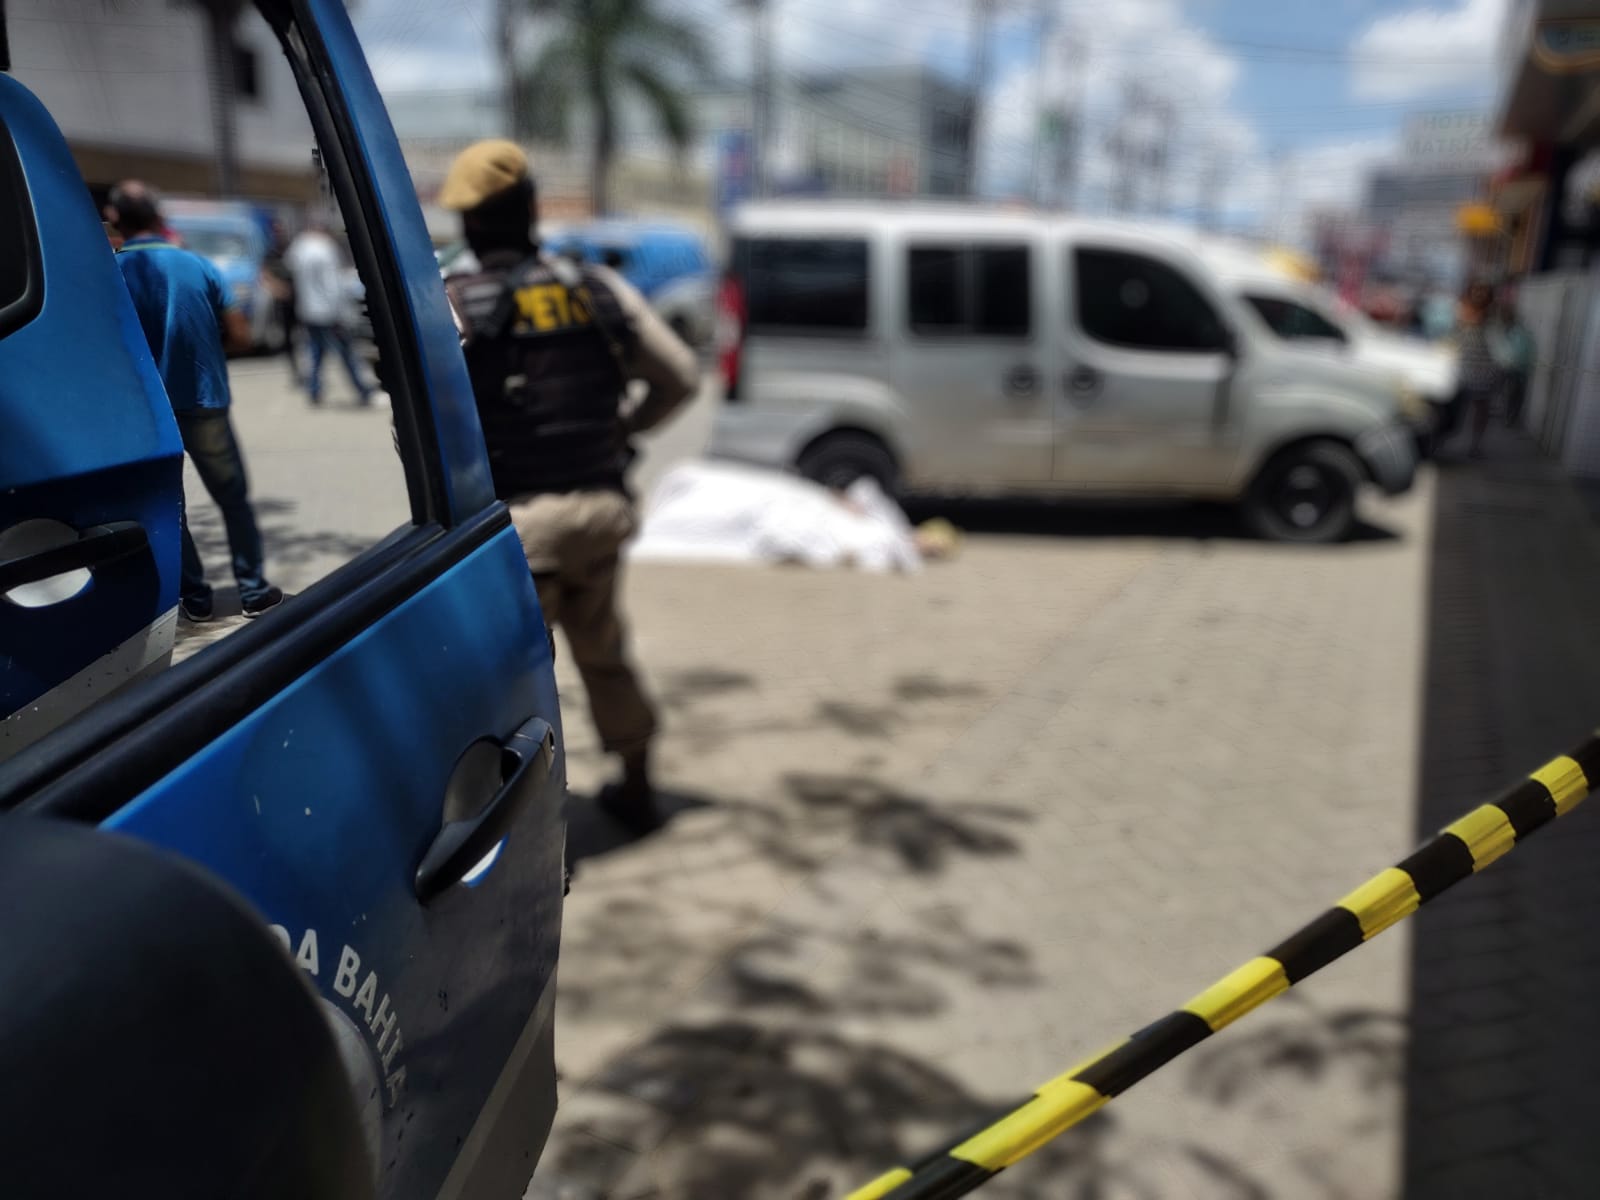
(1138, 302)
(1292, 321)
(967, 291)
(806, 285)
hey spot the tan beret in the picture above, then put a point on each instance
(482, 170)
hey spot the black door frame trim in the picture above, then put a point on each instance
(94, 765)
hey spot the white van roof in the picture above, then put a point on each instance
(779, 217)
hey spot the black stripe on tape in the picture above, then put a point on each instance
(1335, 932)
(1434, 867)
(1587, 756)
(1527, 806)
(1151, 1048)
(971, 1132)
(942, 1180)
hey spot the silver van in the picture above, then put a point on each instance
(973, 351)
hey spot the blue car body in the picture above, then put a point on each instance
(651, 255)
(376, 765)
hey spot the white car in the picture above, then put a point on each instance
(1315, 318)
(962, 349)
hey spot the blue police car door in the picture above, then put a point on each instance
(376, 765)
(90, 463)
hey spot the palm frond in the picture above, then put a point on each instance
(545, 89)
(668, 104)
(668, 38)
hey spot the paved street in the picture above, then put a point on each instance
(936, 837)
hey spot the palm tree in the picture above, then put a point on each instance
(603, 51)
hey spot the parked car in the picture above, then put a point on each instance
(1313, 317)
(669, 265)
(230, 235)
(366, 782)
(960, 349)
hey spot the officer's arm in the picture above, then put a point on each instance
(657, 356)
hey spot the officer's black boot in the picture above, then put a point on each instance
(632, 802)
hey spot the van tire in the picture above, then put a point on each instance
(836, 460)
(1306, 494)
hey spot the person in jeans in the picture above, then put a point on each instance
(314, 265)
(1514, 353)
(1478, 375)
(188, 314)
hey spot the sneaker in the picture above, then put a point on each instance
(270, 598)
(197, 611)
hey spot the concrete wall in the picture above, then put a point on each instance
(127, 83)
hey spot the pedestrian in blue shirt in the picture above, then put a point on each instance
(188, 315)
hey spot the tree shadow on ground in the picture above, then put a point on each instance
(810, 819)
(1084, 519)
(287, 545)
(758, 1111)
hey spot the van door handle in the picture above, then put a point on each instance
(1081, 384)
(1021, 381)
(95, 547)
(525, 765)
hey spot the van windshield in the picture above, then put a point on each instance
(215, 243)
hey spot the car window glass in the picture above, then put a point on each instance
(804, 284)
(1293, 321)
(1002, 291)
(278, 491)
(937, 289)
(1135, 301)
(968, 290)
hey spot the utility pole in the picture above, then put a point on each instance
(760, 94)
(1069, 139)
(1046, 29)
(1160, 154)
(1212, 182)
(1284, 167)
(982, 11)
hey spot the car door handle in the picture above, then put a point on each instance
(95, 547)
(527, 761)
(1082, 384)
(1021, 381)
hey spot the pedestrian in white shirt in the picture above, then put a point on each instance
(319, 301)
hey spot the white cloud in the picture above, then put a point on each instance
(1090, 68)
(1426, 50)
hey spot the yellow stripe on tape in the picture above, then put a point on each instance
(1487, 833)
(881, 1186)
(1381, 901)
(1067, 1075)
(1563, 778)
(1015, 1137)
(1239, 991)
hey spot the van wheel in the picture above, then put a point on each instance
(837, 460)
(1306, 494)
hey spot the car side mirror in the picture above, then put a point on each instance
(157, 1040)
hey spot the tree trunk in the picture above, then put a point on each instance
(516, 121)
(221, 16)
(605, 148)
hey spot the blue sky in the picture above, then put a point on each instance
(1296, 97)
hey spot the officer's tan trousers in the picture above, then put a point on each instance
(573, 540)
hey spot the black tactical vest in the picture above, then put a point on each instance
(545, 376)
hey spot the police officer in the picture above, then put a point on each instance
(551, 347)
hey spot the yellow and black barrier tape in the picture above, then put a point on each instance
(1468, 845)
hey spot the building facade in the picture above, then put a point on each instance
(128, 85)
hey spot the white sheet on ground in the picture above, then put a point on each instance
(723, 512)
